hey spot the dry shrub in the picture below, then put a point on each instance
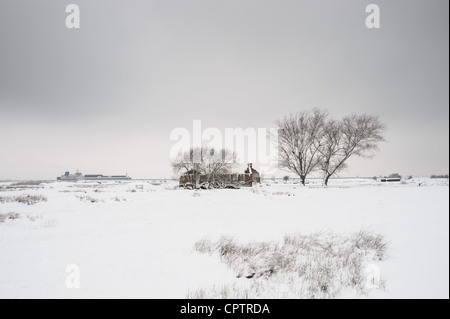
(23, 199)
(317, 265)
(9, 216)
(88, 199)
(26, 183)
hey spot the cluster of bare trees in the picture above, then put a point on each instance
(312, 141)
(205, 161)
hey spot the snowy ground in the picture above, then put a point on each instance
(139, 243)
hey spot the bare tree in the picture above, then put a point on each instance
(355, 135)
(211, 163)
(216, 162)
(184, 164)
(331, 150)
(300, 137)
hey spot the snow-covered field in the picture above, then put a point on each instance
(136, 239)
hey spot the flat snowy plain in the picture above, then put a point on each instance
(136, 239)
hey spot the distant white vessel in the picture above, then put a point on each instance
(91, 177)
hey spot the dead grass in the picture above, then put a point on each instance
(72, 191)
(88, 199)
(313, 266)
(32, 218)
(265, 192)
(83, 186)
(23, 199)
(9, 216)
(26, 183)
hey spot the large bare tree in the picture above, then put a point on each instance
(216, 162)
(184, 163)
(300, 139)
(355, 135)
(331, 149)
(206, 161)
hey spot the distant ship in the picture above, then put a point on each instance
(91, 177)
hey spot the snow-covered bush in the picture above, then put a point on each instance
(9, 216)
(88, 199)
(32, 218)
(196, 194)
(265, 192)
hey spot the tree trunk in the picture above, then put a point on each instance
(303, 179)
(326, 179)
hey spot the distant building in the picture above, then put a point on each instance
(246, 179)
(255, 174)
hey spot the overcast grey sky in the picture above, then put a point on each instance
(104, 98)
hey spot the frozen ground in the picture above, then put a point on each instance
(136, 239)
